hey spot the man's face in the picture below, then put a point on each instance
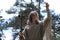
(34, 17)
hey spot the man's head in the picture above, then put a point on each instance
(33, 16)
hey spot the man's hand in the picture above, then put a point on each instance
(21, 34)
(47, 5)
(47, 9)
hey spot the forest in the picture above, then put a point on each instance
(23, 8)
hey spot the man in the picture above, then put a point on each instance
(35, 29)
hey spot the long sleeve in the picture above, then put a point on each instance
(25, 36)
(47, 35)
(47, 21)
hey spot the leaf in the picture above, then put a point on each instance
(0, 16)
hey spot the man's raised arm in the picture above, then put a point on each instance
(48, 18)
(47, 21)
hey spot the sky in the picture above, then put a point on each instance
(5, 5)
(54, 4)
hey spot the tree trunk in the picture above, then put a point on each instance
(39, 10)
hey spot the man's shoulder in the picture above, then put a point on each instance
(40, 22)
(27, 26)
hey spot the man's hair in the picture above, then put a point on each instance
(30, 17)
